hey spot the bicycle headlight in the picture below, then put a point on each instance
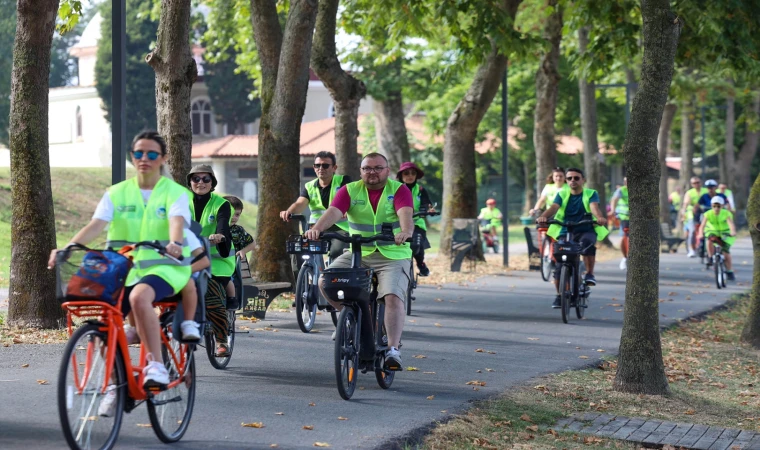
(564, 257)
(305, 257)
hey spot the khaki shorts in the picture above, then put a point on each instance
(392, 274)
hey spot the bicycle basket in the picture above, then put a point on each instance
(299, 245)
(565, 248)
(356, 284)
(95, 275)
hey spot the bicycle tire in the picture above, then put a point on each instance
(165, 408)
(220, 362)
(334, 317)
(546, 259)
(565, 292)
(718, 275)
(66, 395)
(580, 303)
(305, 315)
(346, 353)
(384, 377)
(495, 247)
(723, 271)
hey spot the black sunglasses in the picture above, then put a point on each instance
(575, 178)
(205, 179)
(152, 154)
(323, 165)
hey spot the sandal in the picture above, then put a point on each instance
(222, 350)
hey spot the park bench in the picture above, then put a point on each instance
(257, 295)
(534, 254)
(668, 239)
(464, 241)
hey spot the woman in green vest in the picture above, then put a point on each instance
(145, 208)
(719, 222)
(409, 174)
(554, 182)
(619, 205)
(214, 213)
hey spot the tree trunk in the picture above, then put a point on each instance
(744, 159)
(175, 74)
(32, 286)
(530, 191)
(284, 59)
(687, 145)
(640, 367)
(751, 331)
(345, 90)
(591, 156)
(547, 88)
(729, 154)
(663, 144)
(390, 128)
(459, 181)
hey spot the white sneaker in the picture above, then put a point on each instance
(623, 263)
(190, 330)
(333, 335)
(393, 359)
(107, 407)
(156, 376)
(691, 254)
(132, 337)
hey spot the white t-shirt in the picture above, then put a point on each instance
(192, 240)
(180, 208)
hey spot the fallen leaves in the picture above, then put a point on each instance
(534, 339)
(420, 356)
(24, 366)
(321, 444)
(342, 418)
(430, 397)
(412, 369)
(476, 383)
(437, 324)
(583, 357)
(526, 418)
(312, 404)
(252, 425)
(308, 427)
(42, 382)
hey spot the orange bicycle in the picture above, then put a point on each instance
(97, 361)
(547, 252)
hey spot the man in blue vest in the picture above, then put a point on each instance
(369, 203)
(572, 206)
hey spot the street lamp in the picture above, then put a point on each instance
(119, 92)
(504, 166)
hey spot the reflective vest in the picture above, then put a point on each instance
(134, 221)
(554, 229)
(717, 225)
(418, 221)
(621, 208)
(315, 200)
(675, 199)
(363, 220)
(220, 266)
(550, 191)
(492, 215)
(693, 200)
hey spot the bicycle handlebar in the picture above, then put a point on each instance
(571, 224)
(63, 254)
(301, 218)
(425, 213)
(358, 238)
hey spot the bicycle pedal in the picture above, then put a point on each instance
(414, 298)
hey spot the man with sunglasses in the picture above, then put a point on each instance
(718, 222)
(318, 194)
(690, 206)
(573, 205)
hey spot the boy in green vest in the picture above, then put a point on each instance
(719, 223)
(572, 205)
(242, 242)
(410, 174)
(619, 205)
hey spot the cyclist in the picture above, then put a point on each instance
(214, 214)
(571, 205)
(723, 189)
(619, 205)
(704, 200)
(318, 194)
(492, 213)
(554, 182)
(688, 209)
(368, 204)
(146, 207)
(719, 222)
(409, 173)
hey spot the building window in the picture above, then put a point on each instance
(248, 173)
(200, 114)
(79, 122)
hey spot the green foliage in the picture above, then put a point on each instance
(7, 36)
(141, 92)
(69, 13)
(231, 94)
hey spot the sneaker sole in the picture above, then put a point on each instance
(393, 366)
(154, 386)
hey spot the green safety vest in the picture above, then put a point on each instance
(718, 225)
(220, 266)
(675, 198)
(363, 220)
(621, 208)
(492, 215)
(551, 190)
(315, 200)
(554, 229)
(418, 221)
(134, 221)
(693, 200)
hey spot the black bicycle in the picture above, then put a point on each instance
(567, 253)
(211, 343)
(351, 287)
(718, 261)
(416, 248)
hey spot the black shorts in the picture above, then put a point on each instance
(587, 239)
(159, 285)
(625, 224)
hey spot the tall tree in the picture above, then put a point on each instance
(591, 155)
(728, 158)
(175, 74)
(751, 331)
(284, 53)
(345, 90)
(746, 155)
(687, 143)
(640, 367)
(663, 145)
(390, 126)
(547, 88)
(231, 94)
(7, 33)
(32, 286)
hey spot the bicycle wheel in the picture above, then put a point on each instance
(580, 303)
(410, 292)
(346, 353)
(305, 314)
(546, 259)
(80, 382)
(170, 410)
(334, 317)
(723, 271)
(496, 247)
(384, 377)
(566, 291)
(220, 362)
(718, 271)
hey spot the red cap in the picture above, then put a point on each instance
(490, 201)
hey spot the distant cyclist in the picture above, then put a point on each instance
(689, 206)
(492, 214)
(410, 175)
(719, 223)
(619, 205)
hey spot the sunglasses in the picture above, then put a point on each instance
(324, 166)
(575, 178)
(197, 179)
(152, 154)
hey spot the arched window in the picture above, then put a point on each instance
(200, 115)
(79, 122)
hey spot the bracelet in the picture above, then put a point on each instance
(178, 243)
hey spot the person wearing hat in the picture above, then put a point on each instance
(706, 198)
(719, 222)
(409, 173)
(213, 212)
(690, 207)
(492, 213)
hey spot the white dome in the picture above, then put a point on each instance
(91, 33)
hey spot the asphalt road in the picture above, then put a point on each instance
(287, 371)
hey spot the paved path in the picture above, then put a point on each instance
(509, 317)
(658, 433)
